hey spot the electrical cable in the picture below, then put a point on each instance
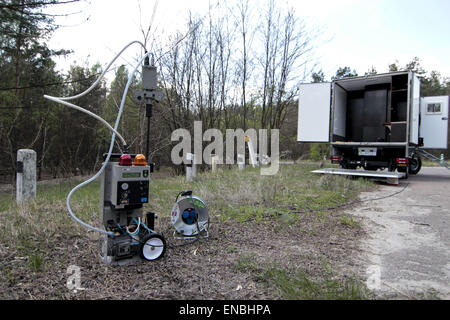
(113, 136)
(347, 204)
(53, 83)
(132, 236)
(145, 226)
(339, 206)
(354, 202)
(183, 244)
(184, 193)
(138, 227)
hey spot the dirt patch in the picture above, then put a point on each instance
(205, 269)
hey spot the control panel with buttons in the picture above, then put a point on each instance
(132, 192)
(127, 185)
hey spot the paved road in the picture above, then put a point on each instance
(408, 244)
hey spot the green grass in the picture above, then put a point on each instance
(36, 262)
(53, 193)
(298, 285)
(430, 294)
(230, 194)
(429, 163)
(232, 249)
(246, 263)
(349, 221)
(29, 227)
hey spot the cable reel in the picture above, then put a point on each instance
(190, 216)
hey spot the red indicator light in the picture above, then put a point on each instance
(125, 160)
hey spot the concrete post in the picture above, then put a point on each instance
(191, 170)
(241, 161)
(194, 167)
(214, 162)
(26, 175)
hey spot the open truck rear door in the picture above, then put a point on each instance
(434, 122)
(415, 110)
(314, 112)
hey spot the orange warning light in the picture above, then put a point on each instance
(139, 160)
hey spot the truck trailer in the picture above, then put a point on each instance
(374, 122)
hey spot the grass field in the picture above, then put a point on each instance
(429, 163)
(275, 237)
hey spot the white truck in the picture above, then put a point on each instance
(374, 122)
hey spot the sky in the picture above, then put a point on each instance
(360, 34)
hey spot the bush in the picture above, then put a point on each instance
(319, 151)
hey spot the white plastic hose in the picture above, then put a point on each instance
(138, 227)
(68, 104)
(63, 100)
(102, 75)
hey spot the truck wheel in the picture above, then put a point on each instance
(415, 164)
(153, 247)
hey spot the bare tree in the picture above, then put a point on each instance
(243, 15)
(287, 43)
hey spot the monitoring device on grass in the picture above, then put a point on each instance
(124, 191)
(127, 232)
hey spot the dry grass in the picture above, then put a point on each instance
(250, 213)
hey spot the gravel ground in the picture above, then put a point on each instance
(408, 236)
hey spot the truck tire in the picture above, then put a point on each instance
(415, 164)
(153, 247)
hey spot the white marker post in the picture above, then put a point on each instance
(191, 170)
(241, 161)
(252, 158)
(214, 162)
(26, 175)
